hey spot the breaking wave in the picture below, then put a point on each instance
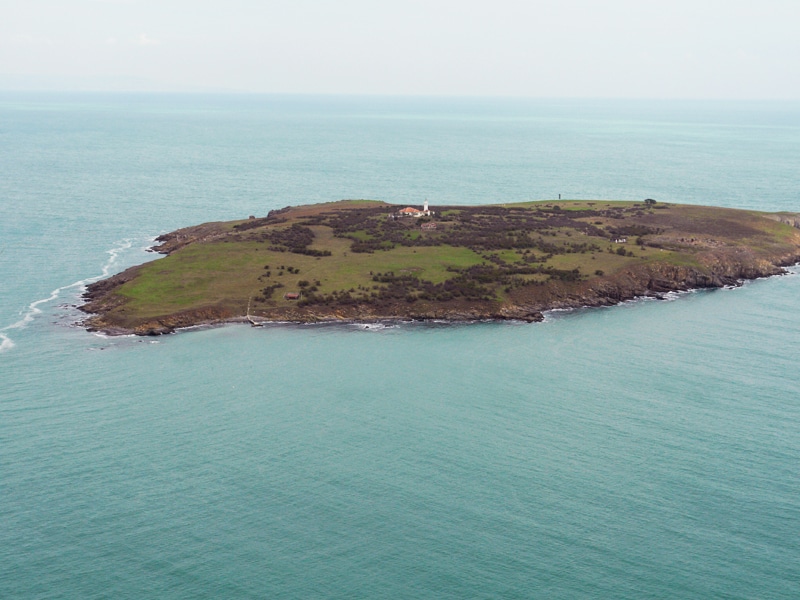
(33, 310)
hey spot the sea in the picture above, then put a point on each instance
(647, 450)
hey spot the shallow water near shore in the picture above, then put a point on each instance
(646, 450)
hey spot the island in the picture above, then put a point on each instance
(370, 261)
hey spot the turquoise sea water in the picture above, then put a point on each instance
(650, 450)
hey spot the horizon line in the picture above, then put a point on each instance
(388, 95)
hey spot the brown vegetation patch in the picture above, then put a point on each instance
(356, 260)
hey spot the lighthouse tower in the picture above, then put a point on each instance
(425, 207)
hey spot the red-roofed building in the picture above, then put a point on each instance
(410, 211)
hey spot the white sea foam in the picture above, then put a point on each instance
(33, 310)
(6, 343)
(369, 326)
(376, 326)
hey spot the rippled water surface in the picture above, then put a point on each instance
(645, 450)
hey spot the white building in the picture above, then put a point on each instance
(414, 212)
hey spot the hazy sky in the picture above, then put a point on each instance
(566, 48)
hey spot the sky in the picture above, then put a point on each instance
(704, 49)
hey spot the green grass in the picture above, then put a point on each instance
(198, 275)
(219, 273)
(202, 275)
(574, 205)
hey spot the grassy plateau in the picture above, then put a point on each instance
(363, 261)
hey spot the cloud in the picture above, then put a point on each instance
(145, 40)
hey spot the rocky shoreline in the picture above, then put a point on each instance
(648, 281)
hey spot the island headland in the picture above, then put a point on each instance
(367, 261)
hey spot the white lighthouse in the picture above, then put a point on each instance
(425, 210)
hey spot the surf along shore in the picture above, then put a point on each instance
(369, 261)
